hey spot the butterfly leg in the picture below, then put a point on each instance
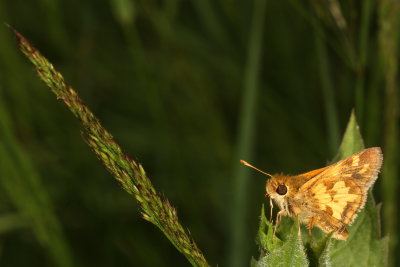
(271, 205)
(310, 226)
(278, 219)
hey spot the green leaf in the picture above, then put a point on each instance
(352, 141)
(275, 252)
(317, 250)
(266, 238)
(324, 259)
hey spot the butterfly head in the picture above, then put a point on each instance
(277, 189)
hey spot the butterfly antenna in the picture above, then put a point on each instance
(251, 166)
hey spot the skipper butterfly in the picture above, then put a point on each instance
(328, 198)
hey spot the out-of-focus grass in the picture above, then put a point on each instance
(389, 22)
(245, 142)
(328, 93)
(185, 62)
(24, 188)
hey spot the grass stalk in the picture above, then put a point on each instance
(237, 252)
(328, 94)
(366, 13)
(389, 14)
(125, 170)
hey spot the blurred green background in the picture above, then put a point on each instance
(187, 87)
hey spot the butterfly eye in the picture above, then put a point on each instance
(281, 189)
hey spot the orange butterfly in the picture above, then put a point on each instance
(330, 197)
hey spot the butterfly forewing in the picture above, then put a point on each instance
(340, 190)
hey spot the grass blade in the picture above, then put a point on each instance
(237, 252)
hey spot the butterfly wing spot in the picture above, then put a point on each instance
(364, 169)
(319, 188)
(340, 188)
(349, 212)
(355, 161)
(329, 210)
(357, 176)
